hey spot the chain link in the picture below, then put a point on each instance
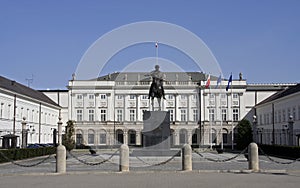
(93, 164)
(278, 162)
(24, 165)
(220, 160)
(160, 163)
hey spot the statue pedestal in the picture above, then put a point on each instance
(156, 135)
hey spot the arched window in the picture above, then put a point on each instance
(183, 136)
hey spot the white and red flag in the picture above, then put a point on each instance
(207, 82)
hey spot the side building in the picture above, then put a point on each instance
(278, 118)
(109, 110)
(18, 101)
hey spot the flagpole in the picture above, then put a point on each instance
(221, 114)
(232, 133)
(210, 120)
(156, 47)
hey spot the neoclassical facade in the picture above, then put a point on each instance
(109, 110)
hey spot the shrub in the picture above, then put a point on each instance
(67, 139)
(25, 153)
(244, 134)
(282, 151)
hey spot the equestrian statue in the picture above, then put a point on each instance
(156, 88)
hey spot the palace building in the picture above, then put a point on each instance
(109, 110)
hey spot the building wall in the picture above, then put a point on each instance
(282, 109)
(41, 118)
(61, 98)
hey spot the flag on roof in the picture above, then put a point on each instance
(229, 81)
(207, 82)
(219, 81)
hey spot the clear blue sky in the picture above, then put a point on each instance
(260, 38)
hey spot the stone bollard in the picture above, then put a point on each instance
(187, 158)
(124, 158)
(60, 151)
(61, 159)
(253, 159)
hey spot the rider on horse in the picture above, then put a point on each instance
(156, 88)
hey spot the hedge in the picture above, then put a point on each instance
(292, 152)
(18, 154)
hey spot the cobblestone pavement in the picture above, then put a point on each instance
(141, 164)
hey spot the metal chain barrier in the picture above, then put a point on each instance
(93, 164)
(278, 162)
(24, 165)
(160, 163)
(220, 160)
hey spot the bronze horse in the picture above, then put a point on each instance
(156, 88)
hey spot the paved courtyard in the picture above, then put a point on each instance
(83, 161)
(150, 180)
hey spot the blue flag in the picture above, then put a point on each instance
(218, 81)
(229, 81)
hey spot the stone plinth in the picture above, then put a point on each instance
(156, 135)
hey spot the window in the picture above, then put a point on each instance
(119, 97)
(102, 115)
(211, 96)
(132, 115)
(91, 139)
(91, 115)
(144, 97)
(260, 119)
(91, 96)
(131, 96)
(183, 97)
(235, 114)
(195, 115)
(224, 114)
(212, 114)
(183, 114)
(103, 138)
(1, 110)
(21, 111)
(170, 97)
(8, 112)
(223, 96)
(298, 112)
(171, 115)
(276, 117)
(283, 116)
(294, 113)
(279, 116)
(225, 138)
(131, 137)
(289, 112)
(235, 95)
(79, 96)
(79, 115)
(194, 97)
(32, 116)
(119, 115)
(182, 136)
(102, 96)
(79, 139)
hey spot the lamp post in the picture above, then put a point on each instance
(254, 129)
(24, 133)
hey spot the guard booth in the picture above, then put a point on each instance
(9, 141)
